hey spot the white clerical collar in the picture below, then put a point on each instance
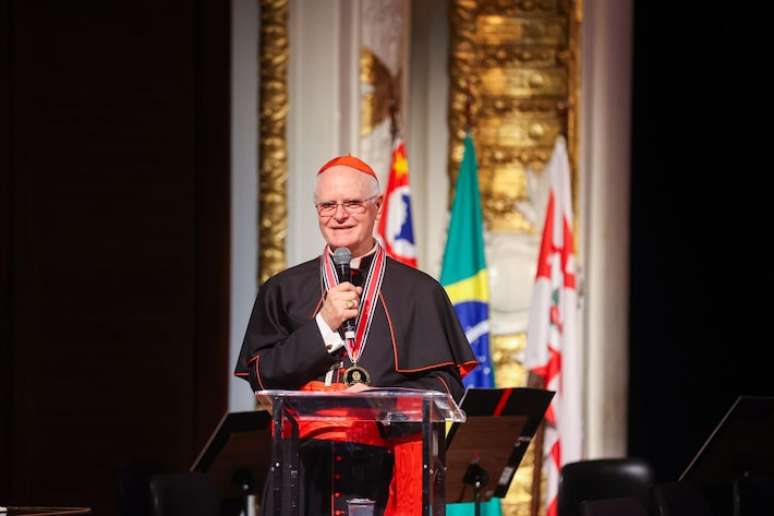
(355, 262)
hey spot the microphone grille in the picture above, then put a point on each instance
(342, 255)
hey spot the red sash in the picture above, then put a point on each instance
(405, 498)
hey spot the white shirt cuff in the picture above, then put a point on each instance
(332, 339)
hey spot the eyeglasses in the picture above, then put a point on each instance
(351, 206)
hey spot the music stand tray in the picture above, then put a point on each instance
(500, 425)
(238, 454)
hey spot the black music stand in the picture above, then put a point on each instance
(734, 469)
(237, 456)
(492, 442)
(741, 446)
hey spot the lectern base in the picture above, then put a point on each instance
(332, 473)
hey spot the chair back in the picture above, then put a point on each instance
(133, 488)
(602, 479)
(184, 494)
(680, 499)
(613, 507)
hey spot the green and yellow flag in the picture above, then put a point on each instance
(465, 278)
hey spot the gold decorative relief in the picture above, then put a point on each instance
(514, 80)
(573, 109)
(384, 91)
(503, 29)
(507, 351)
(273, 164)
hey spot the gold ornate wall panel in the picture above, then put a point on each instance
(514, 80)
(512, 72)
(272, 143)
(573, 104)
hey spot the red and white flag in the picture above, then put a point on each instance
(553, 348)
(395, 230)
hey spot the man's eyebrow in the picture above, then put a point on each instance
(349, 199)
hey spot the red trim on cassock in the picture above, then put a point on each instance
(466, 367)
(392, 332)
(463, 368)
(426, 368)
(256, 358)
(333, 488)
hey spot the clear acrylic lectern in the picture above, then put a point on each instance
(326, 445)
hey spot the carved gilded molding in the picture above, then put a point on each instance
(514, 72)
(573, 111)
(383, 91)
(273, 155)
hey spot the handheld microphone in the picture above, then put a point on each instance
(341, 258)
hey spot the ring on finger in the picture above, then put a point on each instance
(350, 304)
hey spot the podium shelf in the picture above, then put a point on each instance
(379, 405)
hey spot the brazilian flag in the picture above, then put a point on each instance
(463, 273)
(464, 276)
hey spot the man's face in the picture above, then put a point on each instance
(344, 228)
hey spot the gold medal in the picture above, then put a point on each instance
(356, 374)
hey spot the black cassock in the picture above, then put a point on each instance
(415, 341)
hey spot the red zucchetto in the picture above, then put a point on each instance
(351, 162)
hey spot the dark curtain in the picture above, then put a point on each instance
(114, 202)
